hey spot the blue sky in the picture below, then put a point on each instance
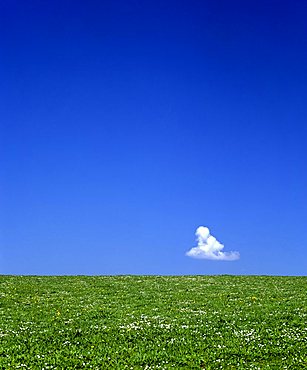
(125, 125)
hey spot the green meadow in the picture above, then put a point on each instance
(153, 322)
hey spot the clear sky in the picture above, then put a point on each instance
(125, 125)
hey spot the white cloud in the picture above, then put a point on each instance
(209, 248)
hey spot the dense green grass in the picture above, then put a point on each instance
(152, 322)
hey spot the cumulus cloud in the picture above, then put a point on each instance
(209, 248)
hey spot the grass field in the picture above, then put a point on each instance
(153, 322)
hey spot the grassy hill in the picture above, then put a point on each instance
(153, 322)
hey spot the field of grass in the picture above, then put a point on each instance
(153, 322)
